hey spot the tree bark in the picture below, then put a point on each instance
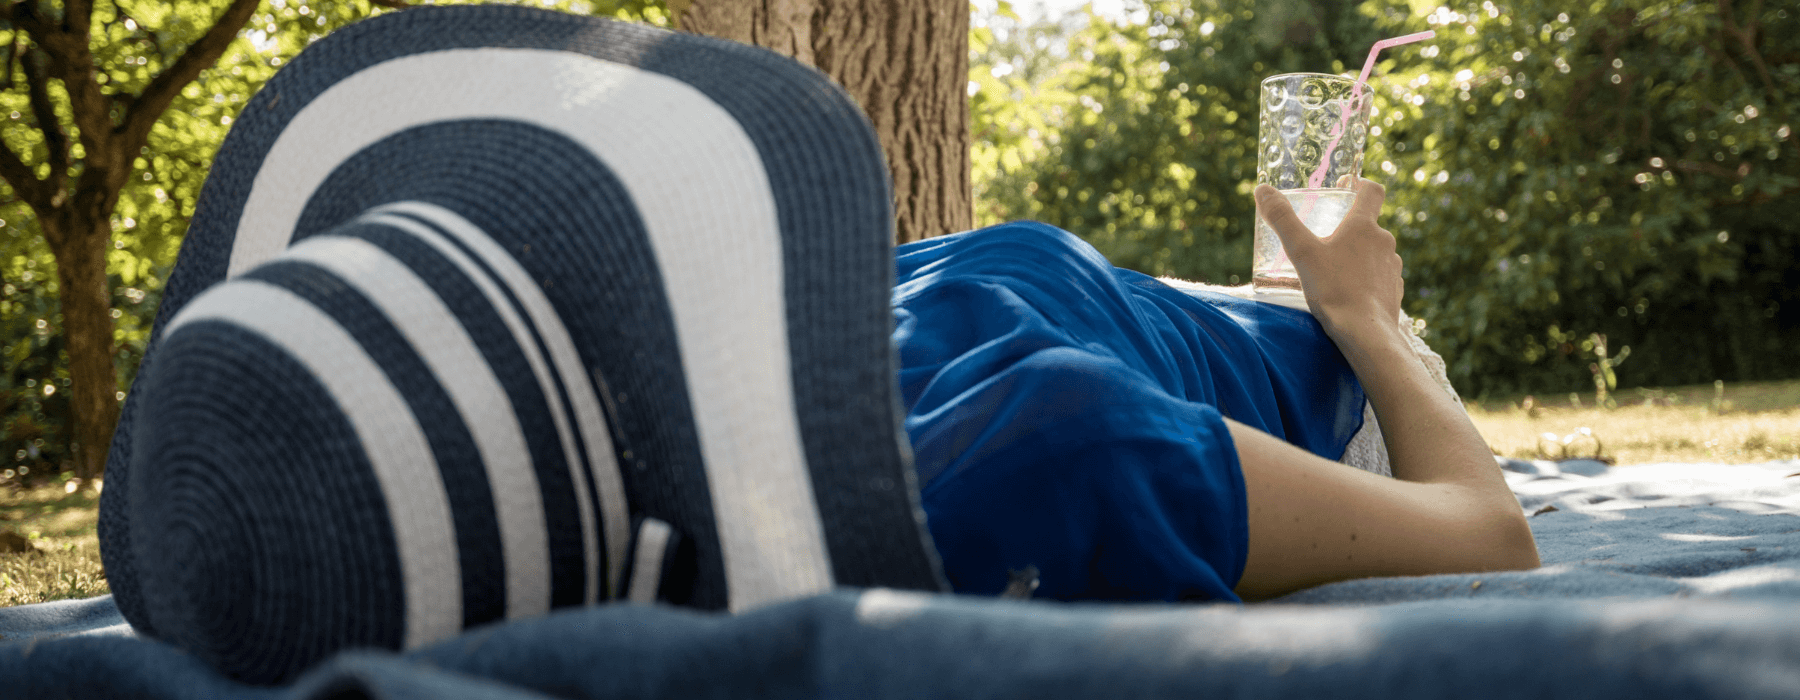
(905, 62)
(88, 331)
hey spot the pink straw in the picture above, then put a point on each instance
(1356, 91)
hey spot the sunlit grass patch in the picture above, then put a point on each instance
(55, 528)
(1753, 422)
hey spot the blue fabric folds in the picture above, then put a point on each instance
(885, 645)
(1066, 414)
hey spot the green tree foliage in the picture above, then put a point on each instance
(1624, 167)
(1019, 99)
(133, 44)
(1152, 152)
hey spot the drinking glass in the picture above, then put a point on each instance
(1313, 129)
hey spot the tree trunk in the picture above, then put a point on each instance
(112, 130)
(906, 63)
(80, 246)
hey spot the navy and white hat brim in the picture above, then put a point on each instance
(489, 310)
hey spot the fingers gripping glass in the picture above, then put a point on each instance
(1313, 130)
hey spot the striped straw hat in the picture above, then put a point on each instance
(491, 310)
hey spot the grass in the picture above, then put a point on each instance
(62, 557)
(1749, 422)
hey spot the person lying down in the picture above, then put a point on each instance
(1107, 436)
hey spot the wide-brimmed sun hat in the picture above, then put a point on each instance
(490, 310)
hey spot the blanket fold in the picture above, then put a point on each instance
(884, 644)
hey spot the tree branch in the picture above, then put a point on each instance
(1745, 37)
(73, 62)
(55, 139)
(1748, 38)
(12, 57)
(20, 176)
(143, 111)
(23, 15)
(23, 180)
(1710, 169)
(1727, 15)
(1759, 197)
(78, 16)
(67, 56)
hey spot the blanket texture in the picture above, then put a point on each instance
(1672, 580)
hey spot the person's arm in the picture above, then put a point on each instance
(1314, 521)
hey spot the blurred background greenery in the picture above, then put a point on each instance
(1554, 171)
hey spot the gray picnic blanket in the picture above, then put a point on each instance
(1672, 580)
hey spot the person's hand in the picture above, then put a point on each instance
(1351, 277)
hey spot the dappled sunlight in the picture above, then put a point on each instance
(886, 607)
(1551, 570)
(1736, 580)
(1755, 489)
(1294, 636)
(1744, 430)
(1683, 537)
(1603, 515)
(1754, 507)
(1285, 636)
(61, 553)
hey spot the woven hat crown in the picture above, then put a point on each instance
(491, 310)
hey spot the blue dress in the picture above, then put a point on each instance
(1067, 415)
